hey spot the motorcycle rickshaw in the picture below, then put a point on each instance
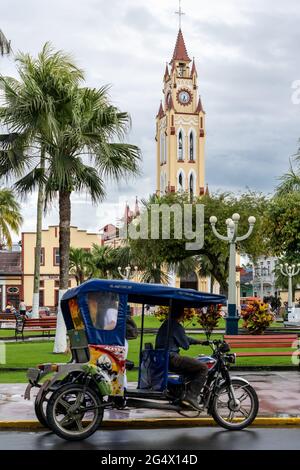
(72, 401)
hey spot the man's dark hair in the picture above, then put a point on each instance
(177, 311)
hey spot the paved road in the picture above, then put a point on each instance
(159, 439)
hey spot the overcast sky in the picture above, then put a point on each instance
(247, 56)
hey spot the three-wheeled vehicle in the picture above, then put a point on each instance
(72, 401)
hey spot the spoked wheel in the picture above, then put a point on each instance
(74, 412)
(239, 415)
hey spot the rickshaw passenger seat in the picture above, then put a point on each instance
(153, 372)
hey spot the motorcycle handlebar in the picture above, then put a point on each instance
(216, 342)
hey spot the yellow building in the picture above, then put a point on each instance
(180, 127)
(49, 280)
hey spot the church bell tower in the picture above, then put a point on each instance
(180, 127)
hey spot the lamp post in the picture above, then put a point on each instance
(232, 238)
(260, 273)
(290, 271)
(127, 273)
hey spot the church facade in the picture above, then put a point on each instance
(180, 127)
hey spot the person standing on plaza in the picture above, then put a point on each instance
(22, 308)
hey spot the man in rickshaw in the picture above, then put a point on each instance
(193, 371)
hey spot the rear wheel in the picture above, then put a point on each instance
(74, 412)
(40, 406)
(239, 415)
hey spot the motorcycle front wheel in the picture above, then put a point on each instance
(74, 412)
(239, 415)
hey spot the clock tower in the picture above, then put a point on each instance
(180, 127)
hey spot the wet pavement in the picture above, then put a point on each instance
(159, 439)
(278, 392)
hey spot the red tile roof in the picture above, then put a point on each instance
(180, 52)
(10, 262)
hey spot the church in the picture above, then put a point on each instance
(180, 127)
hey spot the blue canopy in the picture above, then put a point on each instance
(153, 294)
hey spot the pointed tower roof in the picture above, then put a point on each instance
(160, 113)
(136, 208)
(180, 52)
(171, 104)
(199, 107)
(167, 74)
(194, 70)
(206, 190)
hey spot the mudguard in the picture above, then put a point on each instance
(237, 379)
(35, 375)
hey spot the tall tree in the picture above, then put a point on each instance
(82, 265)
(10, 216)
(172, 251)
(83, 126)
(27, 112)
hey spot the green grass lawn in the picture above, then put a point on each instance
(9, 333)
(152, 322)
(29, 354)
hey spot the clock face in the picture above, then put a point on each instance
(184, 97)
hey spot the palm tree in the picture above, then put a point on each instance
(81, 264)
(82, 126)
(290, 181)
(27, 112)
(5, 46)
(10, 216)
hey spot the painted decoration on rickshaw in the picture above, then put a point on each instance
(112, 360)
(75, 314)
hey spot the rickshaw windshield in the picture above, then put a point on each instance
(103, 309)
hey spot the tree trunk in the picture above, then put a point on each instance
(38, 244)
(60, 344)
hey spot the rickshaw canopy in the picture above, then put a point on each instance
(142, 293)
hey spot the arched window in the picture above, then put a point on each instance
(191, 147)
(180, 181)
(162, 188)
(180, 145)
(191, 186)
(162, 147)
(166, 148)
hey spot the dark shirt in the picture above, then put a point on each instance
(177, 338)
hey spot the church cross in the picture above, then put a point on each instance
(180, 13)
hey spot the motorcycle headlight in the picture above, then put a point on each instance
(231, 358)
(224, 347)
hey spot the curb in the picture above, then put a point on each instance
(156, 423)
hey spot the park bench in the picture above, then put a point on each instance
(7, 317)
(264, 342)
(42, 325)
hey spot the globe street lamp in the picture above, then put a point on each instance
(260, 274)
(290, 271)
(127, 274)
(232, 317)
